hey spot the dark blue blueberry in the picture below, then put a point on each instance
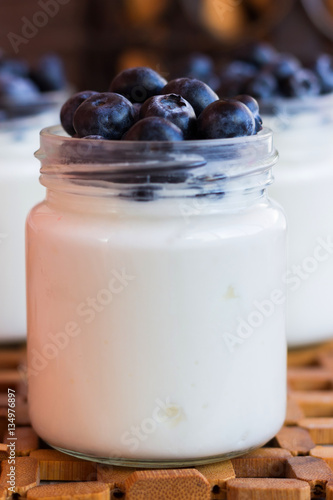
(68, 109)
(234, 77)
(138, 84)
(17, 91)
(238, 69)
(15, 67)
(174, 108)
(302, 83)
(226, 119)
(324, 69)
(262, 86)
(259, 53)
(94, 137)
(285, 66)
(137, 108)
(253, 106)
(107, 114)
(49, 74)
(198, 66)
(154, 128)
(197, 93)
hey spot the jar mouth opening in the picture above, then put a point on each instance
(239, 155)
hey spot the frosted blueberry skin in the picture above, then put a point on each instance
(154, 128)
(324, 69)
(196, 92)
(138, 84)
(70, 106)
(226, 119)
(259, 53)
(106, 114)
(253, 106)
(173, 108)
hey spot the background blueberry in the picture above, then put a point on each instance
(154, 128)
(302, 83)
(253, 106)
(138, 84)
(70, 106)
(197, 93)
(284, 66)
(259, 53)
(49, 74)
(15, 67)
(17, 91)
(226, 119)
(324, 69)
(234, 77)
(262, 86)
(174, 108)
(107, 114)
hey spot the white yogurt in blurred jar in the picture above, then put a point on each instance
(19, 191)
(303, 132)
(156, 328)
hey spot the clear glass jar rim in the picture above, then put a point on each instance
(61, 154)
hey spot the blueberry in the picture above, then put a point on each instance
(15, 67)
(225, 119)
(174, 108)
(234, 77)
(107, 114)
(197, 93)
(195, 65)
(238, 69)
(137, 108)
(324, 69)
(16, 91)
(259, 53)
(301, 83)
(49, 73)
(68, 109)
(154, 128)
(253, 106)
(262, 86)
(285, 66)
(138, 84)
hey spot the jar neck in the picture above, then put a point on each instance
(186, 207)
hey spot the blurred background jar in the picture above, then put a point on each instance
(30, 99)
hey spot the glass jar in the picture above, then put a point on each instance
(19, 192)
(155, 300)
(304, 186)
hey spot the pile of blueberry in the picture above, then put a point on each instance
(264, 73)
(22, 87)
(142, 106)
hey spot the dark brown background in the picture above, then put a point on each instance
(98, 37)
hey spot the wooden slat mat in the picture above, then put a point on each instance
(296, 464)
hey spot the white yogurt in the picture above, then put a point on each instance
(304, 185)
(156, 330)
(19, 191)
